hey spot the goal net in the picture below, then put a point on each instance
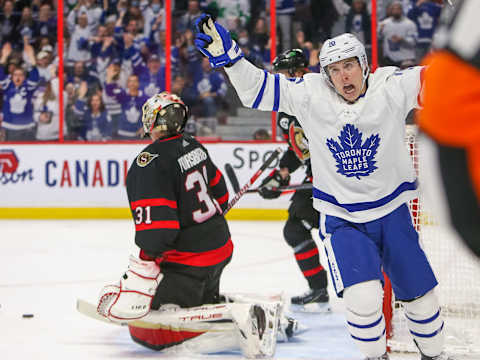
(458, 274)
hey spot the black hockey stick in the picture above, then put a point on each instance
(232, 177)
(255, 176)
(304, 186)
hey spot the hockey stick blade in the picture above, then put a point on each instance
(232, 177)
(90, 310)
(254, 177)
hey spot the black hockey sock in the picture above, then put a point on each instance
(308, 261)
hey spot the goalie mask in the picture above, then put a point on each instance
(291, 60)
(165, 112)
(340, 48)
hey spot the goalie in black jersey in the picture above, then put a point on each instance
(302, 217)
(177, 197)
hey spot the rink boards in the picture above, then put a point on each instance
(88, 181)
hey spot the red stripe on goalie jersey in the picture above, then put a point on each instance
(166, 224)
(219, 189)
(216, 179)
(206, 258)
(154, 202)
(161, 338)
(222, 200)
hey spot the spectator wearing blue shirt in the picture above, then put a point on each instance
(425, 14)
(132, 100)
(18, 90)
(95, 119)
(211, 87)
(26, 23)
(46, 25)
(358, 22)
(151, 76)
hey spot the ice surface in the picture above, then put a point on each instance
(47, 265)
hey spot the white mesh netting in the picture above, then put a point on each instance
(458, 274)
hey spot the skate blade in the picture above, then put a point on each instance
(317, 308)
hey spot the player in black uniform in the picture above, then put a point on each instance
(302, 217)
(177, 197)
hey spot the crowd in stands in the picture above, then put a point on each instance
(114, 56)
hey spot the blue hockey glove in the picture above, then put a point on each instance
(215, 42)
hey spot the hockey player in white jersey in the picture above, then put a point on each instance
(362, 176)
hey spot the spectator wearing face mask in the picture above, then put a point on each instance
(154, 13)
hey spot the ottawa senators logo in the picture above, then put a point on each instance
(8, 162)
(298, 142)
(145, 158)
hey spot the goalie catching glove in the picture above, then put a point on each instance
(215, 42)
(131, 298)
(270, 183)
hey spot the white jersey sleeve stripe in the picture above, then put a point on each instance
(276, 98)
(368, 205)
(262, 90)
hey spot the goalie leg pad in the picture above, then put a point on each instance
(365, 320)
(425, 323)
(201, 329)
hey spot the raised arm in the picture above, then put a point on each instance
(256, 88)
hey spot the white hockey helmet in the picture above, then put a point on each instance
(340, 48)
(166, 112)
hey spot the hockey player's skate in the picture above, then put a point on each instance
(258, 327)
(289, 327)
(383, 357)
(314, 300)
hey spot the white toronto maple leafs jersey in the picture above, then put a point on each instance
(361, 167)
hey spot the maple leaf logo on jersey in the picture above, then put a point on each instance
(354, 158)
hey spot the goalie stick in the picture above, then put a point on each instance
(254, 177)
(198, 314)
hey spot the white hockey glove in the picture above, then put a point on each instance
(131, 298)
(215, 42)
